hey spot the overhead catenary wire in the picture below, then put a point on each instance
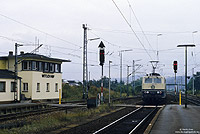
(105, 40)
(139, 24)
(70, 54)
(14, 40)
(77, 56)
(112, 44)
(32, 44)
(119, 45)
(132, 29)
(140, 32)
(36, 29)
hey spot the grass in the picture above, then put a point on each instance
(57, 120)
(50, 122)
(71, 93)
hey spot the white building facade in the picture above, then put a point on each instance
(41, 76)
(7, 86)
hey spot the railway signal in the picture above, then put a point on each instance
(175, 71)
(175, 66)
(101, 53)
(102, 60)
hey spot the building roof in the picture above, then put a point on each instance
(71, 81)
(7, 74)
(35, 56)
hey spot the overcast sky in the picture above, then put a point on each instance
(58, 26)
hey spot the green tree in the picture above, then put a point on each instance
(196, 83)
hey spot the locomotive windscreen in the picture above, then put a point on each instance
(153, 80)
(148, 80)
(157, 80)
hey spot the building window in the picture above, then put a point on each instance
(48, 88)
(56, 87)
(38, 87)
(57, 68)
(46, 67)
(51, 67)
(40, 67)
(34, 67)
(12, 86)
(2, 86)
(26, 65)
(25, 87)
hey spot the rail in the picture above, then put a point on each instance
(131, 122)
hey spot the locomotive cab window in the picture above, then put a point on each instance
(157, 80)
(148, 80)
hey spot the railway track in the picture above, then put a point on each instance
(11, 119)
(190, 98)
(20, 111)
(13, 113)
(193, 100)
(133, 122)
(23, 114)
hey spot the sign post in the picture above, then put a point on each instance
(59, 96)
(179, 97)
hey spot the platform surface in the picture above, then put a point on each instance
(176, 119)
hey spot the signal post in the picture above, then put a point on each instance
(175, 71)
(102, 60)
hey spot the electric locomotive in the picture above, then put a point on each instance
(153, 88)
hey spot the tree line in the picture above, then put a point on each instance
(117, 86)
(196, 83)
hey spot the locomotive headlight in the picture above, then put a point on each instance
(147, 92)
(159, 92)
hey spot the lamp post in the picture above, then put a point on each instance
(85, 63)
(127, 92)
(193, 81)
(87, 82)
(93, 39)
(194, 32)
(120, 54)
(16, 71)
(109, 81)
(186, 46)
(193, 35)
(133, 75)
(157, 45)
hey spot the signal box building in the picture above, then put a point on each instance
(39, 77)
(7, 85)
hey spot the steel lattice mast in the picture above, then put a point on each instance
(85, 67)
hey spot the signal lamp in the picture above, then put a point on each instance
(175, 66)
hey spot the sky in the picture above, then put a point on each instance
(146, 27)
